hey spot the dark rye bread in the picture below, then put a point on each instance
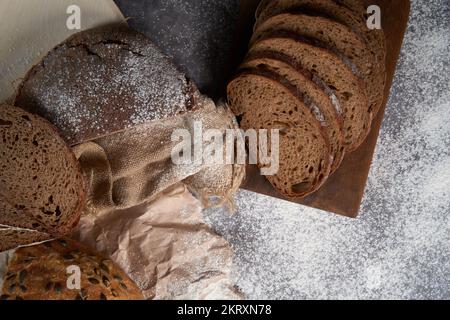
(357, 6)
(262, 5)
(105, 80)
(304, 153)
(340, 13)
(18, 217)
(11, 238)
(349, 89)
(42, 187)
(334, 36)
(41, 273)
(354, 5)
(313, 96)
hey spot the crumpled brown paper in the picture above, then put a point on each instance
(165, 247)
(142, 215)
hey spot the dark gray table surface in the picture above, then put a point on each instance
(399, 248)
(197, 34)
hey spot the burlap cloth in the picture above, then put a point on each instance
(141, 214)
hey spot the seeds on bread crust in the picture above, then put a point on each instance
(46, 277)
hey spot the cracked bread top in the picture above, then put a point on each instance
(102, 81)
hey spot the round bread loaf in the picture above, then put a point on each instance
(41, 273)
(42, 189)
(105, 80)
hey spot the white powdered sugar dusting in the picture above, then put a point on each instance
(399, 248)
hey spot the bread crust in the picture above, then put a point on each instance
(11, 238)
(346, 12)
(41, 273)
(304, 87)
(249, 121)
(359, 99)
(337, 38)
(105, 80)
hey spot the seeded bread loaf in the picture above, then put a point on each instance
(41, 188)
(340, 13)
(335, 37)
(313, 95)
(40, 273)
(349, 89)
(102, 81)
(305, 159)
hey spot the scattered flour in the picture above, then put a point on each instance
(95, 84)
(399, 248)
(197, 34)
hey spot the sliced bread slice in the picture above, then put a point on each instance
(337, 38)
(349, 89)
(354, 5)
(12, 238)
(262, 5)
(339, 12)
(14, 216)
(40, 176)
(304, 152)
(314, 97)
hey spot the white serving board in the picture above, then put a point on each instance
(31, 28)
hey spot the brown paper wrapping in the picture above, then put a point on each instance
(150, 232)
(141, 214)
(165, 247)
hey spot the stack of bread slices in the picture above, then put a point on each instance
(315, 72)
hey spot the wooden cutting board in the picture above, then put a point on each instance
(344, 191)
(30, 28)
